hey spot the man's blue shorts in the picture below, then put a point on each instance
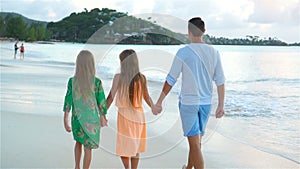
(194, 118)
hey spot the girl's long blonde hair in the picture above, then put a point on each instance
(131, 82)
(85, 73)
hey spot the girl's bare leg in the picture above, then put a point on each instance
(77, 150)
(135, 161)
(125, 161)
(87, 158)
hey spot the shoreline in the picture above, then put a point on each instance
(264, 150)
(53, 42)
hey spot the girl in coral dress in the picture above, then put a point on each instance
(130, 88)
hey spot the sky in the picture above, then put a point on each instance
(223, 18)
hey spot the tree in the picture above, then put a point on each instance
(37, 32)
(40, 31)
(2, 27)
(16, 28)
(31, 34)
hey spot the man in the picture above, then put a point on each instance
(16, 48)
(199, 65)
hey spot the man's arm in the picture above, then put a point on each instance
(221, 95)
(165, 91)
(171, 79)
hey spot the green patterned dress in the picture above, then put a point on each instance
(85, 113)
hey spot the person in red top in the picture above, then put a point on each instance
(22, 50)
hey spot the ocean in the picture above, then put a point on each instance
(262, 88)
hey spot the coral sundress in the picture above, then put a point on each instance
(131, 137)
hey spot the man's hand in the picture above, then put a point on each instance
(156, 109)
(220, 112)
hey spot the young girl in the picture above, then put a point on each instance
(86, 97)
(130, 86)
(22, 50)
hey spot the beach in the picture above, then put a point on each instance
(36, 141)
(33, 136)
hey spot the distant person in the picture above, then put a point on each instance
(130, 88)
(85, 96)
(199, 64)
(22, 50)
(16, 48)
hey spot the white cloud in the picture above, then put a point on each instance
(45, 10)
(51, 13)
(275, 11)
(142, 6)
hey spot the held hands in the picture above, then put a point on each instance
(156, 109)
(220, 112)
(103, 121)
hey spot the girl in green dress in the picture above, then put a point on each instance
(85, 96)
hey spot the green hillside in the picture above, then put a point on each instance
(109, 26)
(94, 26)
(13, 25)
(7, 15)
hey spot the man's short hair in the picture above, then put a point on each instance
(196, 26)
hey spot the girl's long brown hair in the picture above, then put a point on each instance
(131, 81)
